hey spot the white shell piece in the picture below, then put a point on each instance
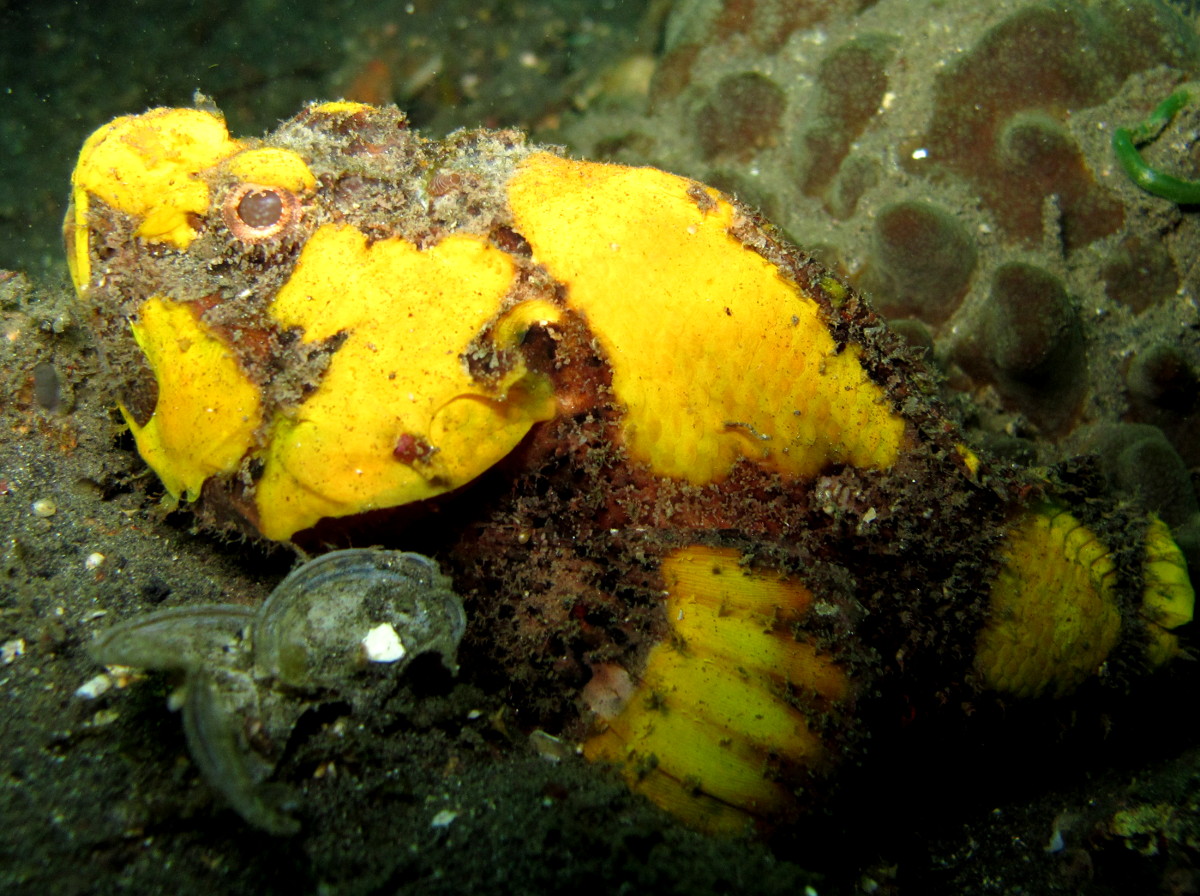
(383, 645)
(94, 687)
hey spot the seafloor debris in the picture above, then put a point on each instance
(250, 675)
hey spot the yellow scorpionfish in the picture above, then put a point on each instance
(702, 503)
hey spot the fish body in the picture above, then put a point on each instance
(700, 500)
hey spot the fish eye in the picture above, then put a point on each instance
(254, 213)
(262, 208)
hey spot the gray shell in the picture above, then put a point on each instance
(321, 626)
(311, 631)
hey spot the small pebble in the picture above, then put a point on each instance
(549, 747)
(44, 507)
(104, 717)
(94, 560)
(94, 687)
(45, 386)
(10, 650)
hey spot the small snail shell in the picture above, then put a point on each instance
(331, 616)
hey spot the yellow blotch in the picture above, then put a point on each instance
(1168, 599)
(147, 166)
(716, 724)
(969, 459)
(343, 107)
(207, 409)
(272, 167)
(1053, 615)
(399, 376)
(714, 354)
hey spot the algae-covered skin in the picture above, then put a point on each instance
(704, 507)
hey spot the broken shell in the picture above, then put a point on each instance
(323, 623)
(215, 710)
(329, 617)
(189, 638)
